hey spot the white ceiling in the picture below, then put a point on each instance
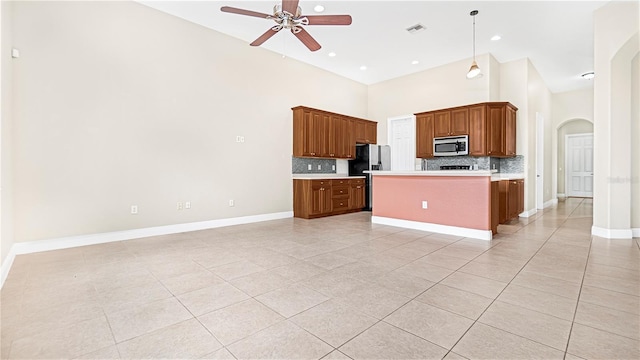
(557, 36)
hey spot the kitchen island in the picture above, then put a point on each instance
(453, 202)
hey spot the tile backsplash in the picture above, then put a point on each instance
(318, 166)
(503, 165)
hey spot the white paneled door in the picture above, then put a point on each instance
(579, 165)
(402, 138)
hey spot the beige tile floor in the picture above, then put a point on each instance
(333, 288)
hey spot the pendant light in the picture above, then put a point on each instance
(474, 70)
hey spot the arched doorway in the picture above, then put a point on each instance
(564, 129)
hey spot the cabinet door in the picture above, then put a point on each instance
(477, 131)
(441, 124)
(520, 207)
(371, 132)
(351, 138)
(357, 196)
(513, 199)
(459, 122)
(424, 136)
(495, 130)
(361, 133)
(334, 136)
(510, 132)
(503, 212)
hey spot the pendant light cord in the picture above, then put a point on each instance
(474, 38)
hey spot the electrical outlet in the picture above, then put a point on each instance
(241, 139)
(134, 209)
(319, 167)
(179, 205)
(237, 138)
(231, 203)
(309, 167)
(424, 204)
(333, 167)
(187, 205)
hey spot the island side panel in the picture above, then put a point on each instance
(454, 201)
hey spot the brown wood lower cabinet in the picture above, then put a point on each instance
(495, 206)
(511, 199)
(324, 197)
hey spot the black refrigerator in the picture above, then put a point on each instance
(369, 157)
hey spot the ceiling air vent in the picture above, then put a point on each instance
(416, 28)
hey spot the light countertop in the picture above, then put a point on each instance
(433, 173)
(509, 176)
(325, 176)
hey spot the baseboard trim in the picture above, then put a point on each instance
(552, 202)
(436, 228)
(612, 233)
(635, 232)
(528, 213)
(562, 196)
(6, 266)
(101, 238)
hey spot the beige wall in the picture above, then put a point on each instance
(567, 107)
(120, 104)
(539, 98)
(616, 44)
(6, 119)
(437, 88)
(635, 145)
(577, 126)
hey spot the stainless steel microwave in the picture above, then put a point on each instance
(451, 146)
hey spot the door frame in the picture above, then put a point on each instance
(566, 160)
(390, 121)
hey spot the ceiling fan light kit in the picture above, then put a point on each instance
(474, 70)
(289, 16)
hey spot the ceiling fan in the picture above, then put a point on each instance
(289, 16)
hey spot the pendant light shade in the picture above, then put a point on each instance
(474, 70)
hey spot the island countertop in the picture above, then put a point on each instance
(433, 173)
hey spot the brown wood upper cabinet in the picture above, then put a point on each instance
(424, 136)
(322, 134)
(451, 122)
(491, 128)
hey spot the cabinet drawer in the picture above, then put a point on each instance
(323, 182)
(340, 204)
(340, 182)
(357, 182)
(340, 191)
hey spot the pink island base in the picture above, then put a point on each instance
(456, 205)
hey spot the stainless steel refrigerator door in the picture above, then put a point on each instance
(385, 157)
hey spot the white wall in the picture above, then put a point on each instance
(441, 87)
(6, 120)
(616, 44)
(118, 104)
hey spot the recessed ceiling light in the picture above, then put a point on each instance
(318, 8)
(415, 62)
(496, 37)
(332, 54)
(363, 67)
(588, 75)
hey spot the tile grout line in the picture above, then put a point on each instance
(496, 298)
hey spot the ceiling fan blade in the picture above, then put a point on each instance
(233, 10)
(290, 6)
(307, 39)
(329, 19)
(264, 37)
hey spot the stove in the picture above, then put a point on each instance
(455, 167)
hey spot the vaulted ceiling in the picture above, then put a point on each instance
(557, 36)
